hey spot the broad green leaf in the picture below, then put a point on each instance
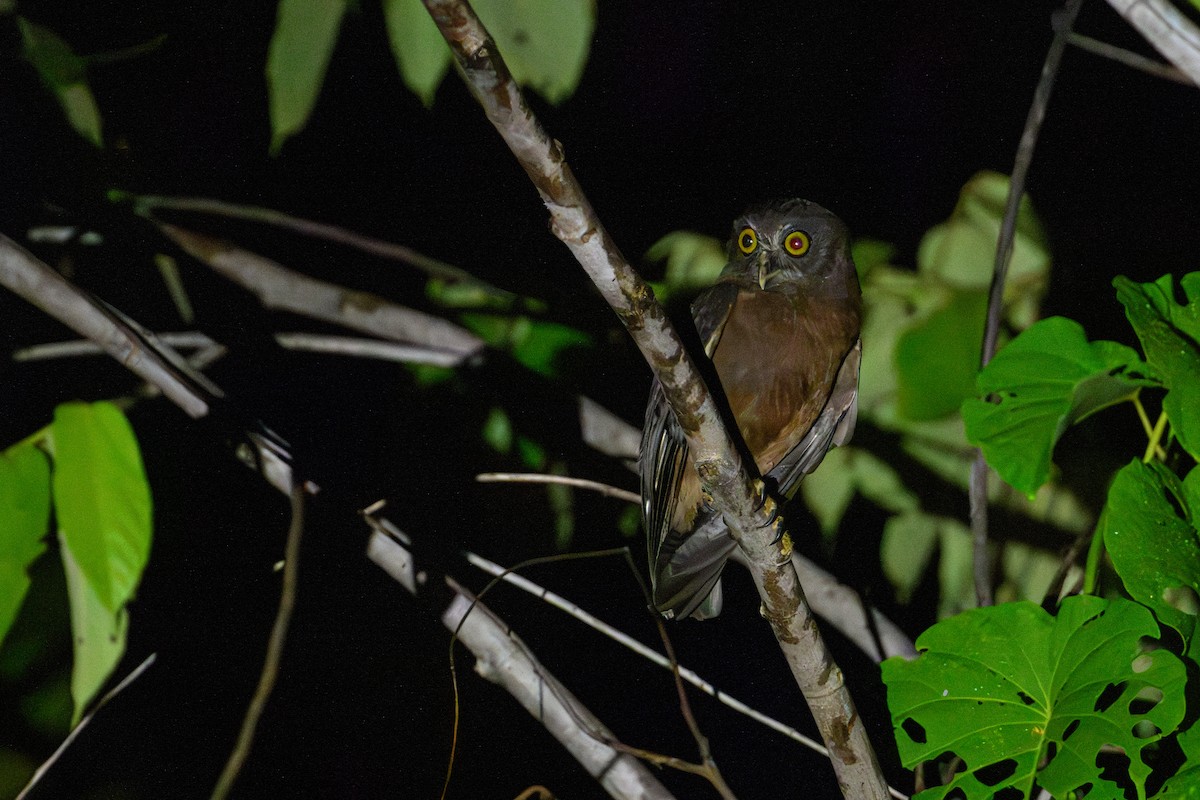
(418, 47)
(870, 253)
(849, 470)
(911, 539)
(301, 46)
(962, 251)
(895, 301)
(1046, 379)
(909, 543)
(1155, 551)
(101, 499)
(693, 263)
(24, 517)
(545, 43)
(1021, 696)
(97, 633)
(1170, 337)
(536, 344)
(65, 74)
(936, 361)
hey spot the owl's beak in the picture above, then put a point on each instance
(765, 273)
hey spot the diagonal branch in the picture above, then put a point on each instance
(1004, 247)
(751, 515)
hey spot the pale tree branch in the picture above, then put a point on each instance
(283, 289)
(751, 515)
(504, 660)
(1165, 27)
(39, 284)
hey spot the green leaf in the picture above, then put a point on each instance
(936, 361)
(562, 508)
(534, 343)
(98, 635)
(693, 263)
(870, 253)
(1170, 337)
(65, 74)
(1155, 551)
(24, 517)
(418, 47)
(1047, 379)
(962, 251)
(1185, 784)
(1009, 687)
(102, 504)
(908, 546)
(545, 43)
(498, 431)
(101, 498)
(845, 471)
(532, 453)
(301, 46)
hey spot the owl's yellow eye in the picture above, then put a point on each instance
(796, 243)
(747, 241)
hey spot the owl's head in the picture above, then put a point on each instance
(789, 241)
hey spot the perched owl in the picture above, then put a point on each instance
(781, 326)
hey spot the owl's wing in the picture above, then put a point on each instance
(834, 426)
(685, 566)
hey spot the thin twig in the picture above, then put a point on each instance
(270, 670)
(751, 514)
(78, 729)
(1128, 58)
(1168, 29)
(1004, 245)
(578, 483)
(143, 205)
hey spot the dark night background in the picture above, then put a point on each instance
(687, 112)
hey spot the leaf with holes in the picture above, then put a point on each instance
(1047, 379)
(1154, 549)
(1025, 699)
(1170, 337)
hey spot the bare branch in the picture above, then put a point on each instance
(749, 512)
(31, 279)
(280, 288)
(1165, 27)
(1004, 246)
(1128, 58)
(578, 483)
(270, 670)
(144, 205)
(40, 772)
(605, 431)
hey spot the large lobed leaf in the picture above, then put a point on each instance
(1021, 696)
(24, 515)
(102, 503)
(1170, 337)
(1046, 379)
(1154, 550)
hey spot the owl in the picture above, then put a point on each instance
(781, 326)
